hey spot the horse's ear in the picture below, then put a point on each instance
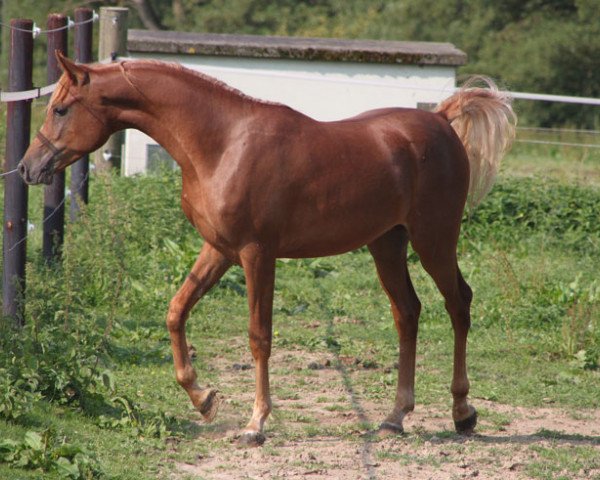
(79, 74)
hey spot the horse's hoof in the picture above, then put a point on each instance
(388, 429)
(467, 425)
(251, 440)
(210, 405)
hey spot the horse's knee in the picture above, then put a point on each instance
(174, 322)
(176, 316)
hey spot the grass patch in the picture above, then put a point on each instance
(562, 463)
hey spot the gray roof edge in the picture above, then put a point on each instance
(299, 48)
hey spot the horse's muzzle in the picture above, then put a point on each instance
(33, 177)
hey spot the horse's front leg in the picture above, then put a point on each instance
(259, 268)
(208, 269)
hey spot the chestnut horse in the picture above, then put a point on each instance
(262, 181)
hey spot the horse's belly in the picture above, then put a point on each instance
(332, 235)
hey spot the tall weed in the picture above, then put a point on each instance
(580, 336)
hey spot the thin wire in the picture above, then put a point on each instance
(561, 144)
(50, 215)
(560, 130)
(64, 199)
(37, 31)
(18, 243)
(8, 173)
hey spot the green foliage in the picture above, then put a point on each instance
(534, 46)
(17, 394)
(138, 421)
(520, 214)
(64, 354)
(523, 208)
(580, 325)
(73, 309)
(52, 364)
(45, 452)
(562, 58)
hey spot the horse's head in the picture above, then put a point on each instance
(75, 124)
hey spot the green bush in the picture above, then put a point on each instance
(518, 209)
(44, 451)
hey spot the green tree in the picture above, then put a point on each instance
(548, 53)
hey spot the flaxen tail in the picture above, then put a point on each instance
(485, 122)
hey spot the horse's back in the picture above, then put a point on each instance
(322, 188)
(424, 139)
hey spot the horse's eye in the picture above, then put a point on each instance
(60, 111)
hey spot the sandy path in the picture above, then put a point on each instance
(318, 432)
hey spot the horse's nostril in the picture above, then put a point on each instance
(22, 171)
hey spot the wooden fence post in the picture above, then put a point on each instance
(54, 194)
(113, 43)
(18, 129)
(83, 54)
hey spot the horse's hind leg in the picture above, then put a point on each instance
(436, 247)
(208, 269)
(389, 253)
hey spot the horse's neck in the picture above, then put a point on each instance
(188, 116)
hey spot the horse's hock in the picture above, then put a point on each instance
(327, 79)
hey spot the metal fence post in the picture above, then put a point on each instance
(18, 129)
(54, 194)
(83, 54)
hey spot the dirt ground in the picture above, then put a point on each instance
(319, 430)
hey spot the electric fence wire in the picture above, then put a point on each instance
(48, 217)
(37, 31)
(8, 173)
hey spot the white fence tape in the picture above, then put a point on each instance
(555, 98)
(36, 92)
(27, 94)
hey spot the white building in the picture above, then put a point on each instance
(327, 79)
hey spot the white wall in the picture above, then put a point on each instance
(322, 90)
